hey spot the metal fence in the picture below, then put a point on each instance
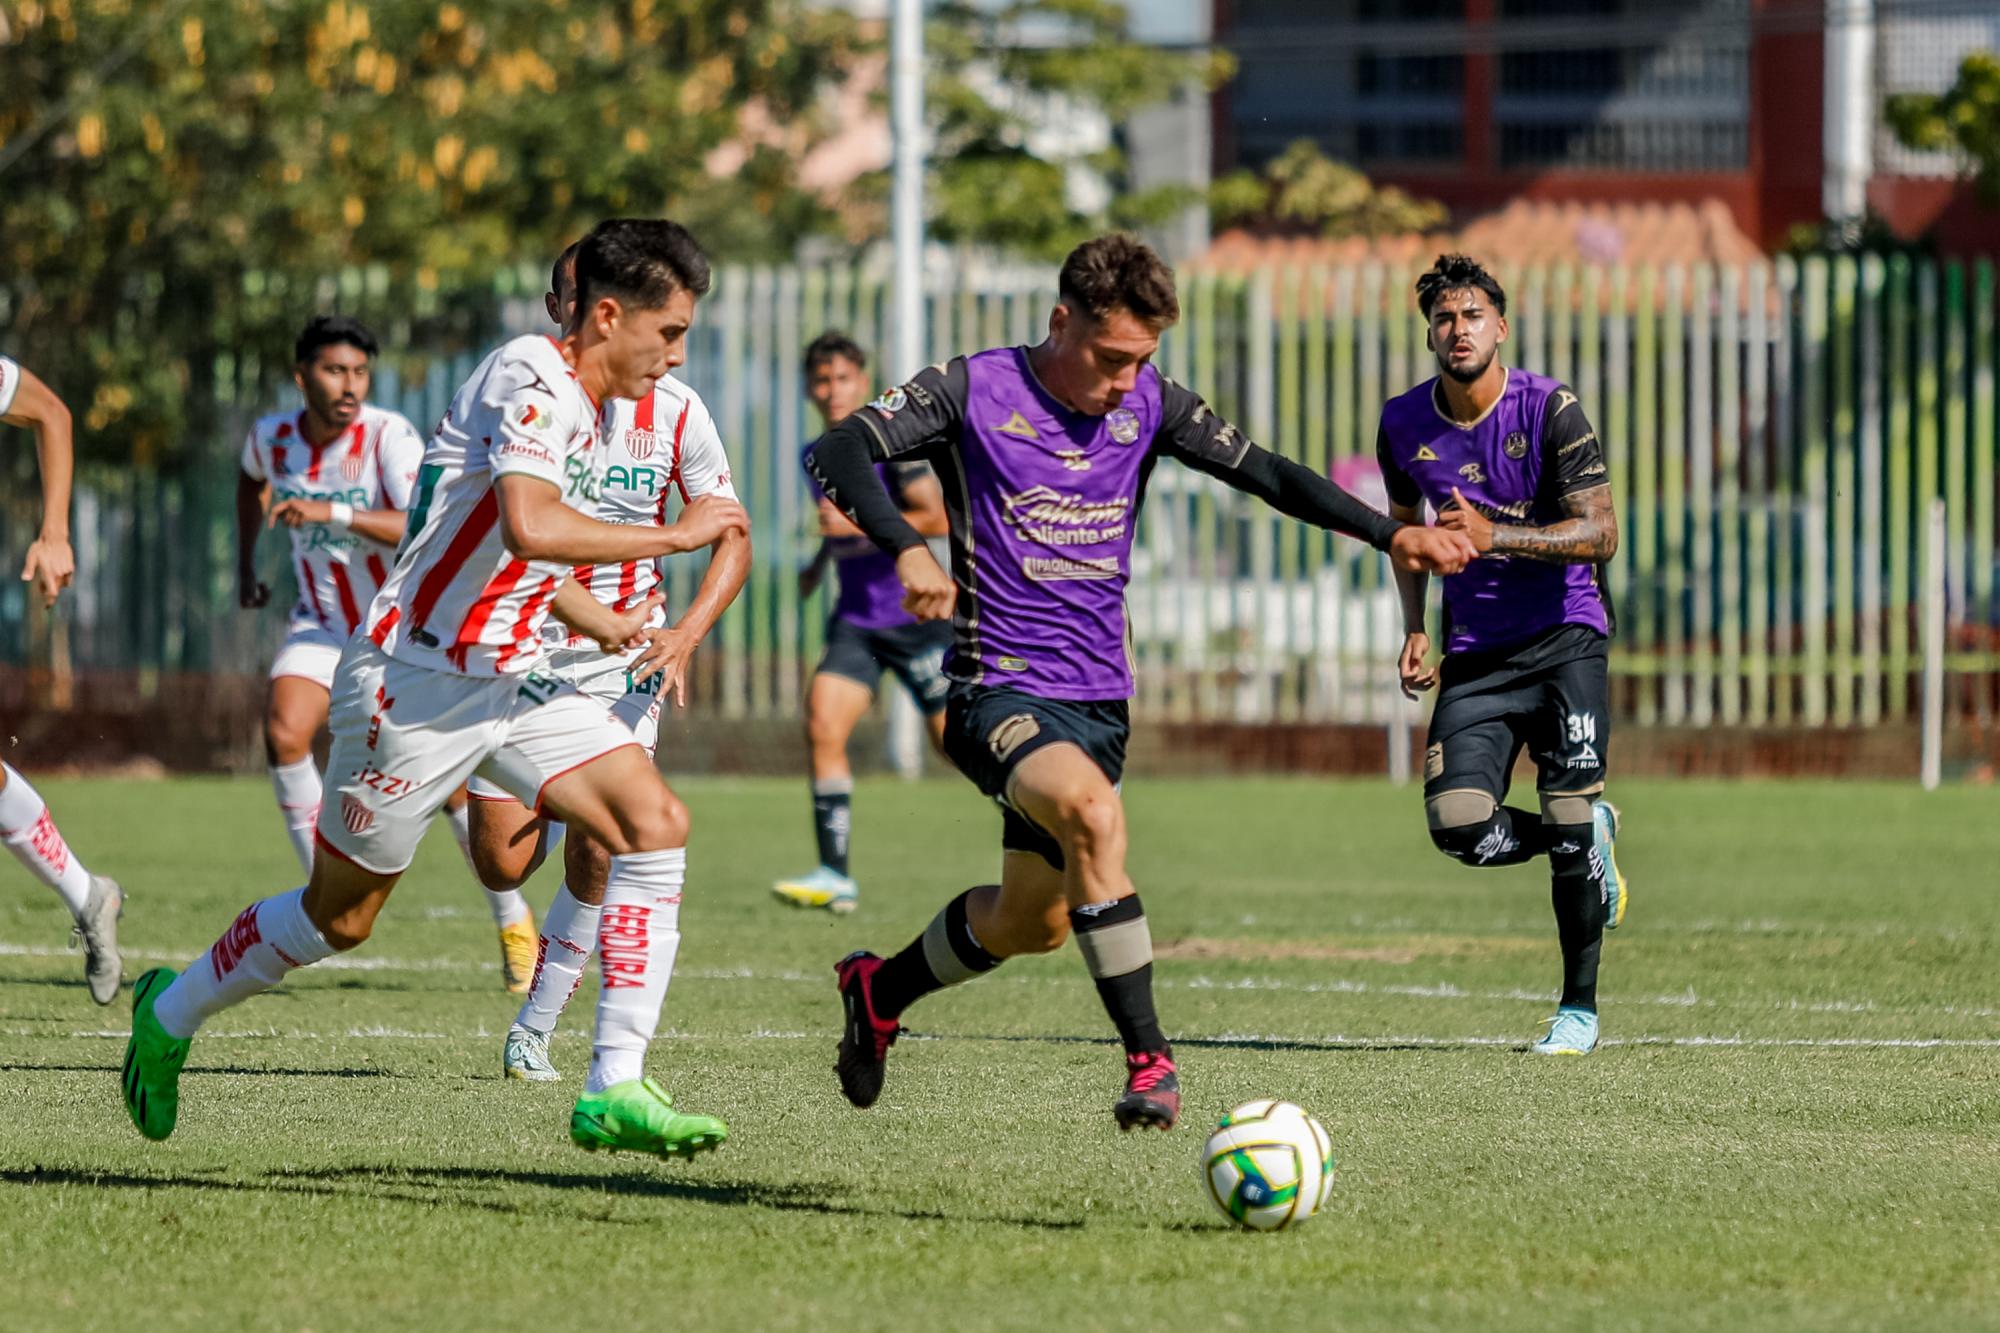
(1773, 434)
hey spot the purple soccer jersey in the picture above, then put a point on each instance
(1044, 503)
(1515, 464)
(870, 595)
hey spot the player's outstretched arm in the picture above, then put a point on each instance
(50, 564)
(1207, 443)
(535, 524)
(614, 631)
(1413, 592)
(250, 594)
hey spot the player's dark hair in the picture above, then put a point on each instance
(565, 262)
(830, 346)
(332, 331)
(1458, 273)
(641, 261)
(1119, 272)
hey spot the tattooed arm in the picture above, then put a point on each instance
(1573, 473)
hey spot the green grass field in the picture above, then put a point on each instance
(1796, 1121)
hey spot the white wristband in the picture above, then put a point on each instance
(342, 516)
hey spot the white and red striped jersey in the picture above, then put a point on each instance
(456, 600)
(10, 383)
(370, 465)
(655, 447)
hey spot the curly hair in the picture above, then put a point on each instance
(1458, 273)
(1119, 272)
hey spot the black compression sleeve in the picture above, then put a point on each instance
(843, 465)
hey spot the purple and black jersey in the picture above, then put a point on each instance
(1044, 502)
(870, 596)
(1533, 447)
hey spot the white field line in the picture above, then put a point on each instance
(376, 1032)
(1442, 990)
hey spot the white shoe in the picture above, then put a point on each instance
(97, 927)
(822, 888)
(526, 1056)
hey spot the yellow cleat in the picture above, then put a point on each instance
(519, 947)
(822, 888)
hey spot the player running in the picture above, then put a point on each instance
(445, 681)
(867, 633)
(94, 901)
(1509, 459)
(660, 444)
(1044, 453)
(338, 474)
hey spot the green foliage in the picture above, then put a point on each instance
(995, 76)
(1965, 117)
(1303, 188)
(179, 181)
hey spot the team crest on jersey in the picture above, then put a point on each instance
(892, 402)
(1516, 445)
(357, 817)
(1472, 473)
(1124, 424)
(641, 443)
(352, 466)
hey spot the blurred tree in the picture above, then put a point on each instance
(182, 180)
(1303, 188)
(1006, 86)
(1965, 117)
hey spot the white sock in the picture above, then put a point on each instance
(637, 937)
(270, 939)
(569, 938)
(508, 907)
(298, 789)
(461, 833)
(29, 832)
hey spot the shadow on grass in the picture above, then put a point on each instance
(1357, 1044)
(463, 1187)
(248, 1071)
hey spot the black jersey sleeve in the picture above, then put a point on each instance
(1402, 488)
(1572, 455)
(1205, 442)
(902, 425)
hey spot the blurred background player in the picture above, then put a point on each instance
(1047, 452)
(338, 474)
(94, 901)
(445, 683)
(1509, 459)
(867, 632)
(653, 447)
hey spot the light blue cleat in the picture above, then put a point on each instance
(1604, 837)
(824, 887)
(1571, 1032)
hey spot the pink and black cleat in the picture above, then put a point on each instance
(864, 1039)
(1152, 1092)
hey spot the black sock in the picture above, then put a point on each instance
(944, 955)
(831, 816)
(1117, 947)
(1576, 890)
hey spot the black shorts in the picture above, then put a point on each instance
(914, 652)
(1550, 694)
(988, 732)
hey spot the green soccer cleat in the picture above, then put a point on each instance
(1604, 834)
(638, 1116)
(153, 1061)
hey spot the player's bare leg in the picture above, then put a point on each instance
(94, 901)
(504, 843)
(620, 801)
(295, 709)
(1033, 910)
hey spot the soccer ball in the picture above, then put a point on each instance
(1268, 1165)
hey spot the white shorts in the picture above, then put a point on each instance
(311, 651)
(606, 678)
(405, 737)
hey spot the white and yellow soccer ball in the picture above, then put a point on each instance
(1268, 1165)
